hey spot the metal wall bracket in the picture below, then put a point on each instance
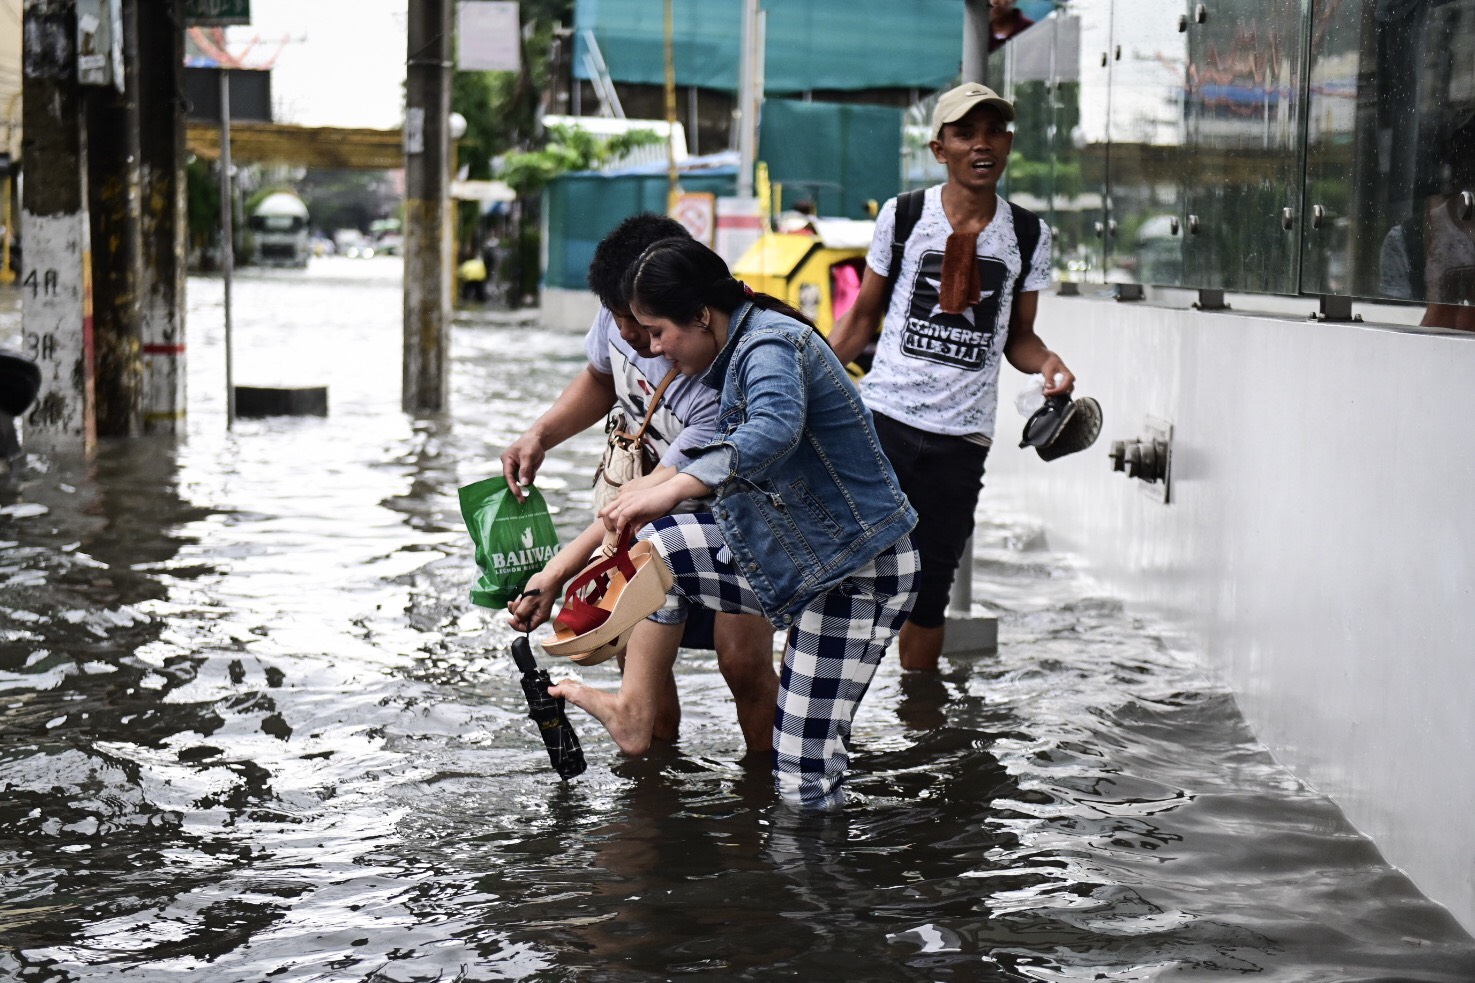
(1130, 291)
(1068, 288)
(1211, 300)
(1336, 309)
(1148, 458)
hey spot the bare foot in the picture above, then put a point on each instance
(632, 736)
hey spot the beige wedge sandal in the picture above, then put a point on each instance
(606, 600)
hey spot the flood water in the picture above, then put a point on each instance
(251, 729)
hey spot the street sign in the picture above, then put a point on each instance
(216, 13)
(100, 43)
(250, 94)
(697, 211)
(490, 36)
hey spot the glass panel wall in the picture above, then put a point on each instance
(1244, 130)
(1254, 146)
(1091, 136)
(1390, 180)
(1145, 186)
(1040, 71)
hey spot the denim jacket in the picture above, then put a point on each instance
(805, 497)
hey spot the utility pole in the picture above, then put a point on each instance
(426, 362)
(113, 153)
(976, 32)
(164, 226)
(750, 96)
(965, 632)
(56, 291)
(227, 244)
(673, 178)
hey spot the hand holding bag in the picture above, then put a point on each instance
(513, 539)
(625, 456)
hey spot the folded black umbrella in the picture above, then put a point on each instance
(564, 752)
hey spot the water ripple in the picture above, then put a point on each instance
(253, 730)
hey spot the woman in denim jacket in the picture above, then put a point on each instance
(810, 527)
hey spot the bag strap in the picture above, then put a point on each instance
(580, 612)
(1027, 233)
(908, 211)
(650, 407)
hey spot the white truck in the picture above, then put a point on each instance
(279, 226)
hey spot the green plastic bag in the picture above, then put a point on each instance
(513, 539)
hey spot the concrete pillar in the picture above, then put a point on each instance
(56, 288)
(161, 288)
(966, 633)
(749, 99)
(975, 41)
(426, 363)
(117, 246)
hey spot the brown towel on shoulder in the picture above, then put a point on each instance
(960, 288)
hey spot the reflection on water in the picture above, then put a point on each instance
(253, 730)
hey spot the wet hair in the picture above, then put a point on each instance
(619, 250)
(676, 278)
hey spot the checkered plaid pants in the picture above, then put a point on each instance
(830, 655)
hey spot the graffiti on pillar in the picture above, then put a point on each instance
(48, 283)
(41, 346)
(56, 326)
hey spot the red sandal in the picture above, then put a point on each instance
(606, 600)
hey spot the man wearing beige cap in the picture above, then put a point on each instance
(952, 297)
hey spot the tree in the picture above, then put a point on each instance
(202, 204)
(568, 148)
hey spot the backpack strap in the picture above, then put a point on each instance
(1027, 231)
(908, 211)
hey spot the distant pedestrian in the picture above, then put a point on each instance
(1004, 21)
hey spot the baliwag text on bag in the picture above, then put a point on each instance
(513, 539)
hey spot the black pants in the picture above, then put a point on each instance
(941, 475)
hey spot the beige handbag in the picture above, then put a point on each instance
(625, 455)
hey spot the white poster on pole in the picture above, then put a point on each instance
(490, 36)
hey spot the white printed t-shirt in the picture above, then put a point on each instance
(687, 415)
(935, 371)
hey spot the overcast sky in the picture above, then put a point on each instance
(343, 63)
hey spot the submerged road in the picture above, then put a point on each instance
(252, 729)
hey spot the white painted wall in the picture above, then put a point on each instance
(1320, 541)
(567, 310)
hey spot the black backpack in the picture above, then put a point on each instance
(909, 210)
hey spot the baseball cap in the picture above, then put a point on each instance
(955, 103)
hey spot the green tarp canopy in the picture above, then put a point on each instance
(812, 44)
(837, 156)
(580, 208)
